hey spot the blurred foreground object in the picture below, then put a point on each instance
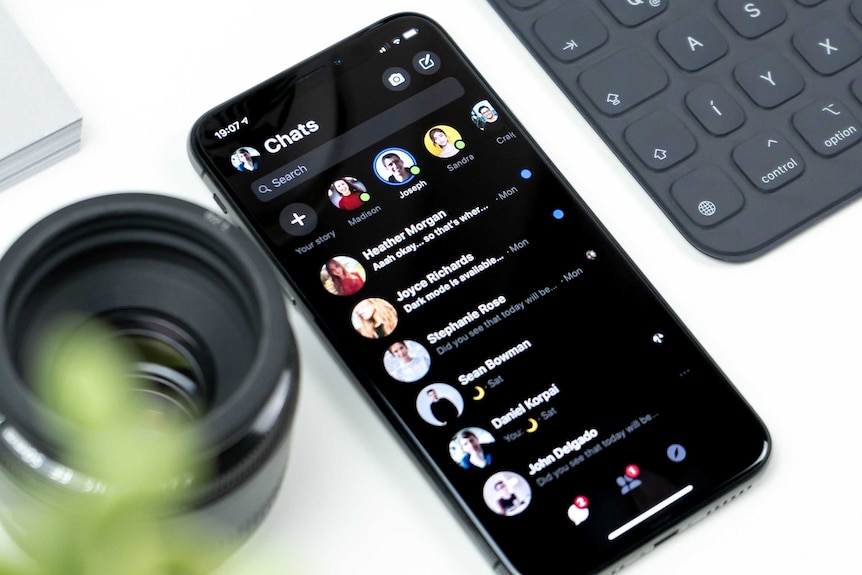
(148, 381)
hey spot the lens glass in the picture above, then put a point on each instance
(170, 370)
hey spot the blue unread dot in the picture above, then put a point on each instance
(526, 174)
(558, 214)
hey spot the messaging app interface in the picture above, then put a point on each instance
(473, 294)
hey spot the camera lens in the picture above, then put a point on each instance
(203, 312)
(171, 370)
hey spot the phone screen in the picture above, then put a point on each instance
(494, 321)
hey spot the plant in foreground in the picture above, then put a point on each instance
(138, 461)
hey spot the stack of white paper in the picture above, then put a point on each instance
(39, 123)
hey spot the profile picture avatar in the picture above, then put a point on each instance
(483, 114)
(443, 141)
(374, 318)
(395, 166)
(406, 360)
(439, 404)
(507, 493)
(342, 275)
(245, 159)
(471, 448)
(347, 193)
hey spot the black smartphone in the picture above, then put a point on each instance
(516, 349)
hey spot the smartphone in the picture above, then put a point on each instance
(504, 334)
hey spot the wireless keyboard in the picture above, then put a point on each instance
(739, 117)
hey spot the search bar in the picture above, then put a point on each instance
(357, 139)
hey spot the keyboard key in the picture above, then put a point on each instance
(634, 13)
(856, 88)
(752, 19)
(660, 140)
(570, 31)
(715, 109)
(828, 126)
(856, 10)
(769, 79)
(768, 161)
(827, 46)
(623, 81)
(707, 196)
(693, 42)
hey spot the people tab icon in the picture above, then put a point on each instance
(629, 481)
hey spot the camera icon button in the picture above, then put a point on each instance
(396, 79)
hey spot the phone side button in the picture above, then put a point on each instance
(218, 202)
(285, 288)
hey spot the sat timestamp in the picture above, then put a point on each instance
(234, 126)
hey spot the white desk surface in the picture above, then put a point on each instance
(786, 328)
